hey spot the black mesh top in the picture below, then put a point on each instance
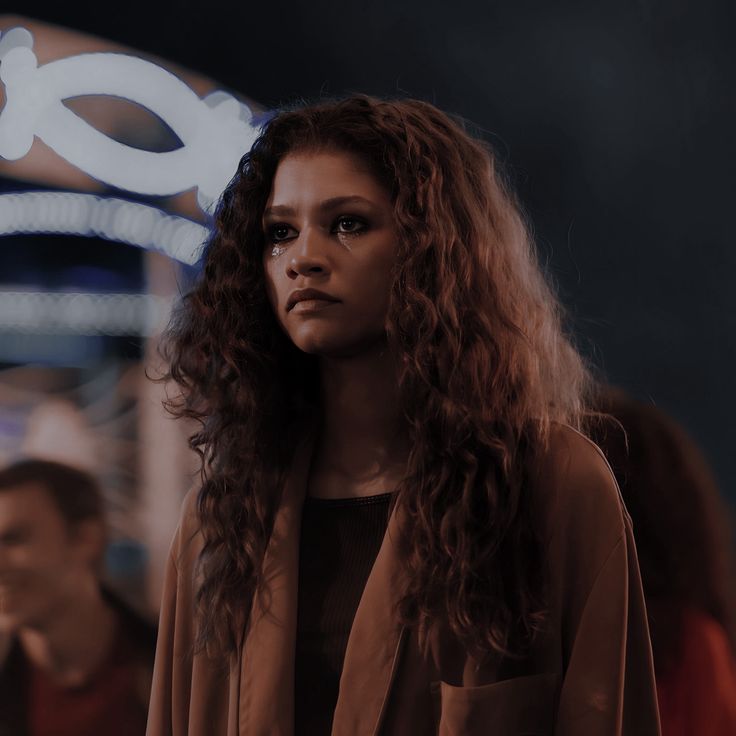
(340, 539)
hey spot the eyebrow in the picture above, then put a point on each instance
(328, 204)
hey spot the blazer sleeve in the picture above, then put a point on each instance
(608, 686)
(172, 672)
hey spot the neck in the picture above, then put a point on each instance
(76, 637)
(363, 441)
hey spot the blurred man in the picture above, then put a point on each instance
(73, 659)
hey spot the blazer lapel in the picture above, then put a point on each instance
(374, 646)
(266, 706)
(266, 702)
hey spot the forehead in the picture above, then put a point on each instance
(321, 175)
(29, 504)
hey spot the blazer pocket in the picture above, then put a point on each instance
(521, 706)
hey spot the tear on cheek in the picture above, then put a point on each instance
(344, 239)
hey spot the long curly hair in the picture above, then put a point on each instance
(683, 527)
(485, 367)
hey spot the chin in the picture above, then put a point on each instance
(323, 348)
(337, 345)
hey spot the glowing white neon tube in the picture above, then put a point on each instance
(215, 131)
(109, 218)
(48, 313)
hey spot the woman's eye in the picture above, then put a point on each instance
(345, 225)
(278, 233)
(348, 224)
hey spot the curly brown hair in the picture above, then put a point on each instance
(484, 368)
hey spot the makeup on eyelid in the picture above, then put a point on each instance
(343, 236)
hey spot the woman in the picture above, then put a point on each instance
(399, 531)
(684, 538)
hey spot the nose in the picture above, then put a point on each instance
(308, 256)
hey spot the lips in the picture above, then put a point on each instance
(300, 295)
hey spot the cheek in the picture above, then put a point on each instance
(23, 557)
(374, 280)
(34, 568)
(271, 284)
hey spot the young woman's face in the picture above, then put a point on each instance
(329, 227)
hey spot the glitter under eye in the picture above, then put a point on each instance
(278, 250)
(344, 238)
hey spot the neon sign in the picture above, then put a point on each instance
(215, 131)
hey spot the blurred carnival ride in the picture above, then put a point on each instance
(102, 148)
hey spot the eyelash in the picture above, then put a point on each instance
(271, 240)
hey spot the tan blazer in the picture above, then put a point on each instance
(591, 674)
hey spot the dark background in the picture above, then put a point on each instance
(616, 121)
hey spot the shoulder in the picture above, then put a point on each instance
(188, 541)
(575, 490)
(138, 632)
(582, 522)
(7, 643)
(136, 645)
(12, 672)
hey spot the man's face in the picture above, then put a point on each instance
(43, 563)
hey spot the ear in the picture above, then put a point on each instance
(89, 538)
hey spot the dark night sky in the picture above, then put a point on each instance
(616, 120)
